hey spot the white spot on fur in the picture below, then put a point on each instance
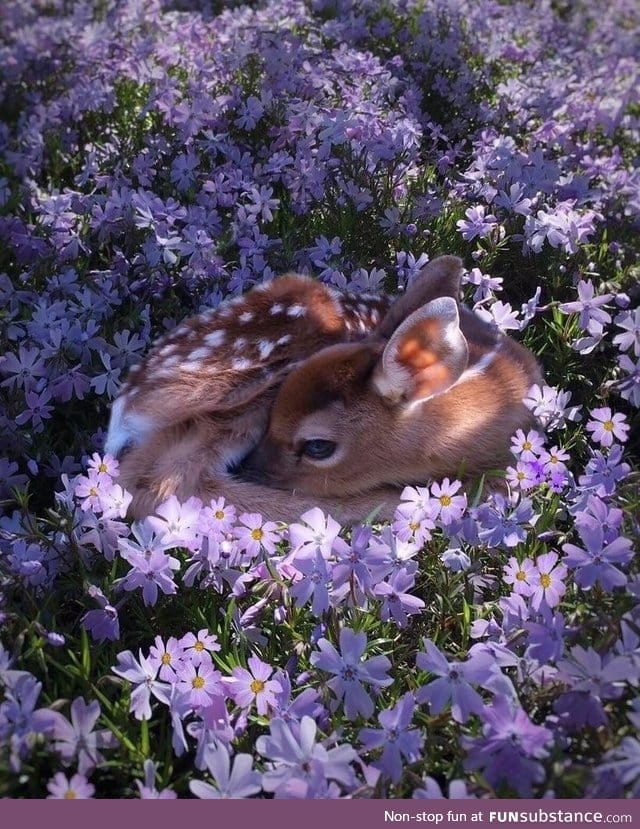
(241, 364)
(239, 343)
(285, 339)
(296, 311)
(245, 316)
(215, 338)
(167, 349)
(125, 428)
(276, 308)
(265, 347)
(199, 354)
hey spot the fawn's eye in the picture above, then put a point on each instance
(318, 449)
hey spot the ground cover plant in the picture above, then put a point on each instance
(157, 157)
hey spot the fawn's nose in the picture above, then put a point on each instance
(251, 468)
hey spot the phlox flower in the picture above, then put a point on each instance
(520, 575)
(90, 489)
(147, 789)
(623, 762)
(510, 747)
(150, 574)
(392, 554)
(37, 411)
(114, 501)
(588, 305)
(453, 682)
(606, 426)
(399, 742)
(592, 678)
(198, 648)
(628, 386)
(218, 518)
(175, 523)
(455, 559)
(76, 739)
(501, 315)
(351, 671)
(524, 476)
(451, 506)
(476, 224)
(545, 636)
(140, 673)
(500, 526)
(529, 446)
(254, 534)
(603, 472)
(314, 582)
(629, 321)
(609, 518)
(307, 702)
(104, 465)
(352, 570)
(229, 782)
(549, 406)
(60, 787)
(296, 758)
(102, 624)
(319, 531)
(397, 603)
(199, 683)
(595, 562)
(20, 721)
(547, 581)
(254, 686)
(166, 658)
(554, 459)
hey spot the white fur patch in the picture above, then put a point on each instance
(296, 311)
(265, 347)
(125, 428)
(199, 354)
(245, 316)
(285, 339)
(241, 364)
(276, 308)
(215, 338)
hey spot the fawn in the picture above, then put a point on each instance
(200, 400)
(296, 396)
(434, 391)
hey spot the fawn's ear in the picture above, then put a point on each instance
(241, 393)
(425, 355)
(439, 278)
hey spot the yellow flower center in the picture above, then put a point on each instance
(103, 468)
(198, 682)
(70, 795)
(445, 500)
(520, 475)
(219, 515)
(256, 686)
(553, 459)
(166, 658)
(198, 646)
(608, 425)
(257, 534)
(521, 575)
(545, 580)
(527, 445)
(413, 526)
(93, 491)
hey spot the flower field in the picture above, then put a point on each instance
(159, 156)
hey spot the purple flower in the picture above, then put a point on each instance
(60, 787)
(606, 426)
(453, 684)
(602, 473)
(520, 575)
(198, 648)
(588, 305)
(476, 224)
(298, 765)
(314, 582)
(546, 582)
(396, 738)
(77, 739)
(397, 603)
(254, 685)
(510, 747)
(148, 789)
(451, 506)
(595, 563)
(229, 782)
(142, 674)
(20, 721)
(199, 683)
(149, 573)
(102, 624)
(166, 658)
(319, 532)
(351, 672)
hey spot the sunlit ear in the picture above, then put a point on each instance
(425, 355)
(440, 277)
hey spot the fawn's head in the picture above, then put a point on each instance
(431, 388)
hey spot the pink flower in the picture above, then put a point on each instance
(520, 575)
(451, 506)
(61, 788)
(546, 583)
(202, 683)
(254, 685)
(606, 426)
